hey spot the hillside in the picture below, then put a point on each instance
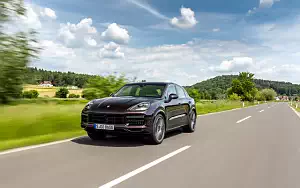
(218, 86)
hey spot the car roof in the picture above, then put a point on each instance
(158, 83)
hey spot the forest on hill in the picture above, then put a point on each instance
(216, 87)
(36, 76)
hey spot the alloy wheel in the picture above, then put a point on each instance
(160, 129)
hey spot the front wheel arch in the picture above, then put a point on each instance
(162, 112)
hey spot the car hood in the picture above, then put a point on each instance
(117, 104)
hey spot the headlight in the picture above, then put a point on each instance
(140, 107)
(88, 105)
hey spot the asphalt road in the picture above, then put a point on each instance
(256, 147)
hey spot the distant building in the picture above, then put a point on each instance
(72, 87)
(46, 84)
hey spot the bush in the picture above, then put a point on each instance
(72, 95)
(32, 94)
(268, 94)
(234, 97)
(62, 93)
(90, 93)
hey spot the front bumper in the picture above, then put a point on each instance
(122, 124)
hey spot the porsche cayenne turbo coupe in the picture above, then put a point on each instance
(149, 109)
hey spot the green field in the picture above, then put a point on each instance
(28, 124)
(41, 120)
(204, 107)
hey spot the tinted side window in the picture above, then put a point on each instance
(180, 92)
(171, 90)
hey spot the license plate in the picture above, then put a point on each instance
(104, 127)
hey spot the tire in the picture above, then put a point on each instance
(192, 123)
(96, 135)
(157, 136)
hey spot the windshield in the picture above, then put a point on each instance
(141, 90)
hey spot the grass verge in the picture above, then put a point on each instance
(298, 106)
(29, 124)
(205, 107)
(41, 139)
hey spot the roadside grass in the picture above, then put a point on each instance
(205, 107)
(39, 100)
(49, 92)
(29, 124)
(298, 106)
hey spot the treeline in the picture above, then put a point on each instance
(36, 76)
(216, 88)
(242, 88)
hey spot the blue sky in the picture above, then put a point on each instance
(185, 41)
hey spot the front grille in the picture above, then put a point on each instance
(116, 119)
(135, 120)
(106, 118)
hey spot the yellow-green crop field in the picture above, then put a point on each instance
(49, 91)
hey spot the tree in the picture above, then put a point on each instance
(268, 94)
(32, 94)
(194, 93)
(99, 87)
(15, 52)
(62, 93)
(243, 86)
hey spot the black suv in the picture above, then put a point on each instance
(149, 109)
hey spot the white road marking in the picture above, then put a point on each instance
(269, 107)
(35, 146)
(298, 114)
(261, 110)
(243, 119)
(143, 168)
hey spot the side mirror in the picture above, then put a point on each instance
(112, 95)
(173, 96)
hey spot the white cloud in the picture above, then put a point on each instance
(115, 33)
(48, 12)
(76, 35)
(262, 5)
(54, 50)
(111, 51)
(237, 64)
(216, 30)
(187, 19)
(90, 41)
(31, 18)
(148, 8)
(267, 3)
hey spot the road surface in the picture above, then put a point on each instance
(256, 147)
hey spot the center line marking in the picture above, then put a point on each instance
(143, 168)
(261, 110)
(243, 119)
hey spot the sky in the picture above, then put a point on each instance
(182, 41)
